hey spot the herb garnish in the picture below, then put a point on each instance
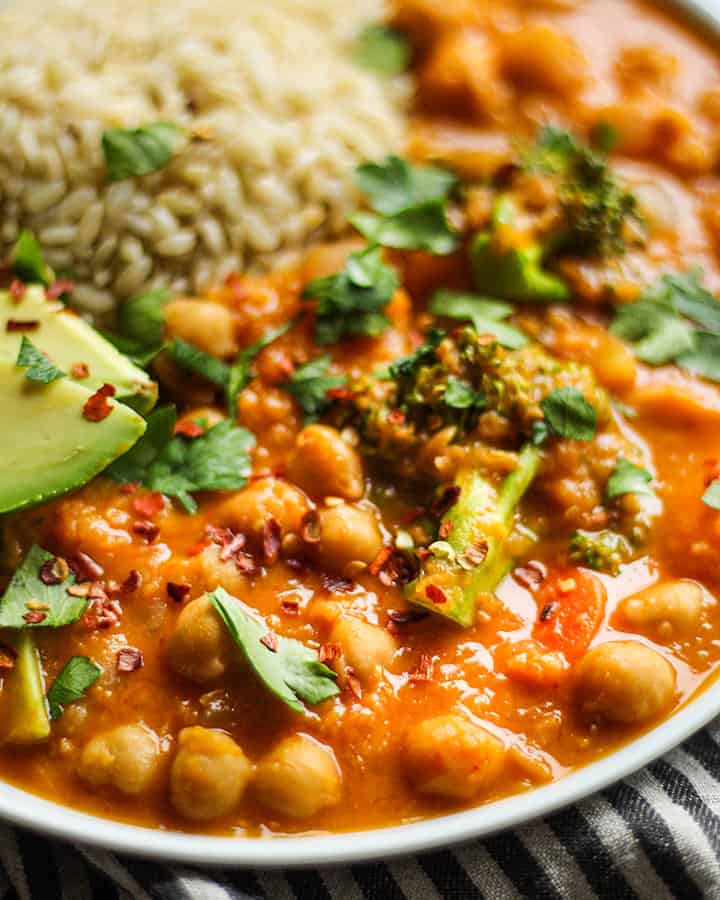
(78, 674)
(240, 371)
(289, 669)
(138, 151)
(37, 595)
(382, 49)
(27, 261)
(196, 361)
(310, 384)
(486, 315)
(37, 365)
(711, 497)
(567, 415)
(627, 478)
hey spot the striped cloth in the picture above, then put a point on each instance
(655, 836)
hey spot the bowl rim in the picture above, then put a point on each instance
(21, 808)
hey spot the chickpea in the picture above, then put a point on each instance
(348, 534)
(209, 326)
(325, 465)
(670, 609)
(126, 757)
(200, 648)
(366, 648)
(267, 498)
(624, 681)
(452, 757)
(540, 58)
(209, 774)
(298, 777)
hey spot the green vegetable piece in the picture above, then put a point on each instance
(513, 273)
(240, 371)
(422, 227)
(310, 384)
(78, 675)
(289, 669)
(32, 593)
(129, 152)
(569, 415)
(711, 497)
(604, 551)
(218, 460)
(394, 185)
(459, 395)
(28, 263)
(382, 49)
(26, 717)
(196, 361)
(475, 557)
(141, 320)
(627, 478)
(38, 367)
(604, 137)
(485, 314)
(351, 303)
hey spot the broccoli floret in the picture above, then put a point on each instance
(604, 551)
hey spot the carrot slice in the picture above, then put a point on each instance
(571, 604)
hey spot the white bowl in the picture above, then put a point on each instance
(29, 811)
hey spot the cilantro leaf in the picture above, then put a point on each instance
(485, 314)
(196, 361)
(78, 674)
(178, 466)
(240, 371)
(627, 478)
(711, 497)
(351, 303)
(394, 185)
(406, 366)
(569, 415)
(657, 332)
(291, 671)
(138, 151)
(459, 395)
(424, 227)
(703, 358)
(28, 262)
(382, 49)
(310, 384)
(38, 366)
(684, 292)
(28, 595)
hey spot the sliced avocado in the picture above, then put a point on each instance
(26, 713)
(48, 447)
(67, 339)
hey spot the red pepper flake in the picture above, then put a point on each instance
(435, 594)
(96, 591)
(85, 567)
(149, 505)
(148, 530)
(407, 616)
(329, 652)
(446, 500)
(297, 565)
(334, 584)
(129, 659)
(271, 535)
(547, 611)
(396, 417)
(21, 325)
(79, 370)
(245, 564)
(378, 563)
(78, 590)
(54, 571)
(529, 576)
(132, 582)
(198, 548)
(413, 516)
(270, 641)
(446, 526)
(353, 682)
(189, 429)
(424, 670)
(341, 393)
(130, 487)
(476, 552)
(177, 592)
(310, 527)
(34, 616)
(96, 407)
(17, 290)
(290, 607)
(58, 288)
(102, 612)
(7, 657)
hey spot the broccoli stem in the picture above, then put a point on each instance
(27, 718)
(474, 558)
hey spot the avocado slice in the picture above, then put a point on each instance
(48, 447)
(68, 339)
(27, 719)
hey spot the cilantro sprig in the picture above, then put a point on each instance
(77, 676)
(486, 315)
(129, 152)
(27, 261)
(37, 365)
(37, 596)
(628, 478)
(309, 385)
(240, 371)
(289, 669)
(567, 414)
(198, 362)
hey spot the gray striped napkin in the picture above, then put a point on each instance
(655, 835)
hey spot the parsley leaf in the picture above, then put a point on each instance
(485, 314)
(178, 466)
(38, 366)
(138, 151)
(569, 415)
(310, 384)
(351, 302)
(28, 595)
(78, 674)
(627, 478)
(291, 671)
(195, 360)
(382, 49)
(711, 497)
(28, 262)
(240, 371)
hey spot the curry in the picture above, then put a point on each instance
(428, 518)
